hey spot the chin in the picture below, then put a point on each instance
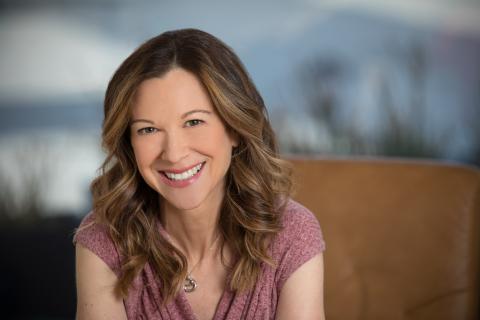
(183, 204)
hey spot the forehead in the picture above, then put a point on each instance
(176, 92)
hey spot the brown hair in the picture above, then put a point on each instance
(257, 182)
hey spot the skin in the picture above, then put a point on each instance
(95, 283)
(302, 294)
(175, 125)
(183, 130)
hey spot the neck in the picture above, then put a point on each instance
(193, 231)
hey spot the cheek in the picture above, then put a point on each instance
(215, 143)
(144, 152)
(214, 136)
(144, 158)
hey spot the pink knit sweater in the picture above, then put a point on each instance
(300, 240)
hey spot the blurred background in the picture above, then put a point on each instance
(398, 78)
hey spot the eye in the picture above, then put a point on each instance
(193, 122)
(147, 130)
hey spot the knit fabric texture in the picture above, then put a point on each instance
(300, 240)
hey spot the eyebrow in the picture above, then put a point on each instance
(141, 120)
(186, 114)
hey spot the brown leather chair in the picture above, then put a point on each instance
(402, 236)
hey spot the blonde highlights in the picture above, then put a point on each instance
(257, 182)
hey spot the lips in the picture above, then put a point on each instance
(182, 170)
(183, 174)
(179, 178)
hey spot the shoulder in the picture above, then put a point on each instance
(91, 231)
(294, 211)
(300, 240)
(296, 220)
(95, 237)
(97, 271)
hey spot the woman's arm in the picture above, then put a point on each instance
(95, 282)
(302, 294)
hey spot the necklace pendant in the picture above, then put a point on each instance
(190, 284)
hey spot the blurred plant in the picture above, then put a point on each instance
(7, 204)
(472, 121)
(402, 127)
(321, 76)
(24, 178)
(407, 136)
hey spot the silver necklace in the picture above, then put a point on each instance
(190, 284)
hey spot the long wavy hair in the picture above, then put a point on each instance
(258, 182)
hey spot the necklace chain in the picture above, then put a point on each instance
(190, 284)
(211, 247)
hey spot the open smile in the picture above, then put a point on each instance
(182, 178)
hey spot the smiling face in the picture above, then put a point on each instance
(181, 146)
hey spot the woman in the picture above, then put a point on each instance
(191, 212)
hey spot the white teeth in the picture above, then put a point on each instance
(184, 175)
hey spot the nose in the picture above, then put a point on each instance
(174, 147)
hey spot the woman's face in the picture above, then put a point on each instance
(181, 145)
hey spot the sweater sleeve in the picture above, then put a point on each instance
(300, 240)
(95, 238)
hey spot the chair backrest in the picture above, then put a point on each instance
(402, 236)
